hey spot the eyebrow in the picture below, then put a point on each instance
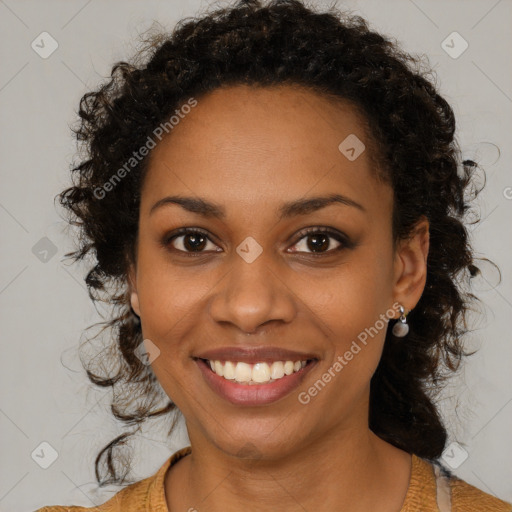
(287, 210)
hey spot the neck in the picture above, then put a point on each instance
(353, 471)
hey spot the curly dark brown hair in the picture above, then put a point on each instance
(411, 128)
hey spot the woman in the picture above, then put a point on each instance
(275, 202)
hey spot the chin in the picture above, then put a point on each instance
(268, 442)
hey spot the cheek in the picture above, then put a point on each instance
(165, 291)
(354, 306)
(360, 338)
(357, 326)
(168, 305)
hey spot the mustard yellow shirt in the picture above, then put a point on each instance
(148, 495)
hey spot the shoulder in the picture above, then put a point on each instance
(463, 496)
(71, 508)
(133, 497)
(466, 497)
(434, 487)
(146, 494)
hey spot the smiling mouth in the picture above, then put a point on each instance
(257, 373)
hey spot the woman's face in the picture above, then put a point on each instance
(253, 279)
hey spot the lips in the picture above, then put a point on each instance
(253, 355)
(252, 394)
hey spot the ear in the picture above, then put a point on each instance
(411, 266)
(132, 284)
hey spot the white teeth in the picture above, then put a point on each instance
(218, 368)
(255, 373)
(229, 370)
(288, 367)
(242, 372)
(261, 372)
(277, 370)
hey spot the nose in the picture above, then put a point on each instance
(252, 295)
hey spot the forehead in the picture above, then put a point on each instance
(263, 145)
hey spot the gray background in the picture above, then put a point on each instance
(44, 307)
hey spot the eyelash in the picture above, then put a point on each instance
(339, 237)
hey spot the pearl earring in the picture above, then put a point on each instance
(401, 328)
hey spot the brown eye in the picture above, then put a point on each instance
(190, 241)
(320, 241)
